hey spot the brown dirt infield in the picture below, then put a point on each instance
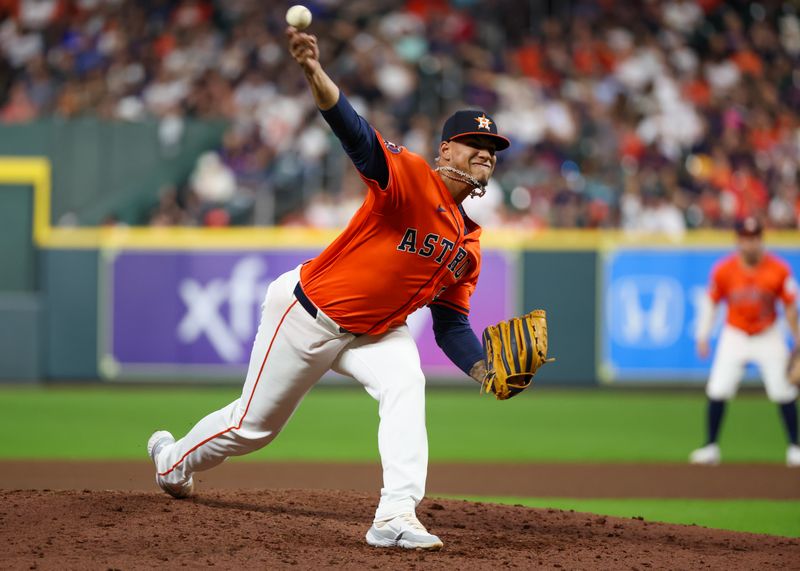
(96, 516)
(765, 481)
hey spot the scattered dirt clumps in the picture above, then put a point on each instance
(312, 529)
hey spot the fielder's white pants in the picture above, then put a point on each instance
(292, 350)
(769, 352)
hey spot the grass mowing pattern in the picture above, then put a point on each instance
(756, 516)
(341, 424)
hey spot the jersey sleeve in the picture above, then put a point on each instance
(381, 147)
(788, 293)
(716, 284)
(407, 171)
(358, 139)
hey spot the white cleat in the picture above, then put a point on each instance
(793, 456)
(708, 455)
(403, 531)
(157, 441)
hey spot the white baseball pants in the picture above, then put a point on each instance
(292, 350)
(768, 350)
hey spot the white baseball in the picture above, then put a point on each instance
(298, 16)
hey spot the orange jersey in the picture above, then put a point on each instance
(751, 292)
(407, 246)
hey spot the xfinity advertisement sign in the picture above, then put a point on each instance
(194, 315)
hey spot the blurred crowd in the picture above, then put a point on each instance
(652, 116)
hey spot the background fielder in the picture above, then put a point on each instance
(751, 281)
(409, 245)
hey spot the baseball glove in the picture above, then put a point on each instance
(793, 370)
(515, 349)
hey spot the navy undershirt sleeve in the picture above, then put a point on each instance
(359, 140)
(455, 336)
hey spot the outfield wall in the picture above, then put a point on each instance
(616, 316)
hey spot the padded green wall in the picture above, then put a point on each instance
(564, 284)
(20, 337)
(69, 286)
(17, 255)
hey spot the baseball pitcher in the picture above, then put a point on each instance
(752, 282)
(409, 245)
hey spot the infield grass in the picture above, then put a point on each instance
(340, 424)
(772, 517)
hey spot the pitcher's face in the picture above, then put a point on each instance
(472, 154)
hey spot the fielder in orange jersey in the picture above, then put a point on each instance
(752, 282)
(409, 245)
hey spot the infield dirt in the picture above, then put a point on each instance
(312, 529)
(109, 522)
(729, 481)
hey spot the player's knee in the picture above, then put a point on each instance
(720, 393)
(257, 431)
(416, 379)
(407, 382)
(253, 436)
(782, 395)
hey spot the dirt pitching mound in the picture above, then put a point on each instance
(311, 529)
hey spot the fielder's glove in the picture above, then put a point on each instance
(515, 349)
(793, 371)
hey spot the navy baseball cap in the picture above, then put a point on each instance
(472, 122)
(750, 226)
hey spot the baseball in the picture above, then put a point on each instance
(298, 16)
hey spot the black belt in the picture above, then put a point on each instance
(309, 306)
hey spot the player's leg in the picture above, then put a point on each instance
(726, 374)
(788, 412)
(389, 368)
(292, 350)
(772, 357)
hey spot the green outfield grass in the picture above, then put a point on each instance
(335, 424)
(755, 516)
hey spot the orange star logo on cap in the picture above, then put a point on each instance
(483, 122)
